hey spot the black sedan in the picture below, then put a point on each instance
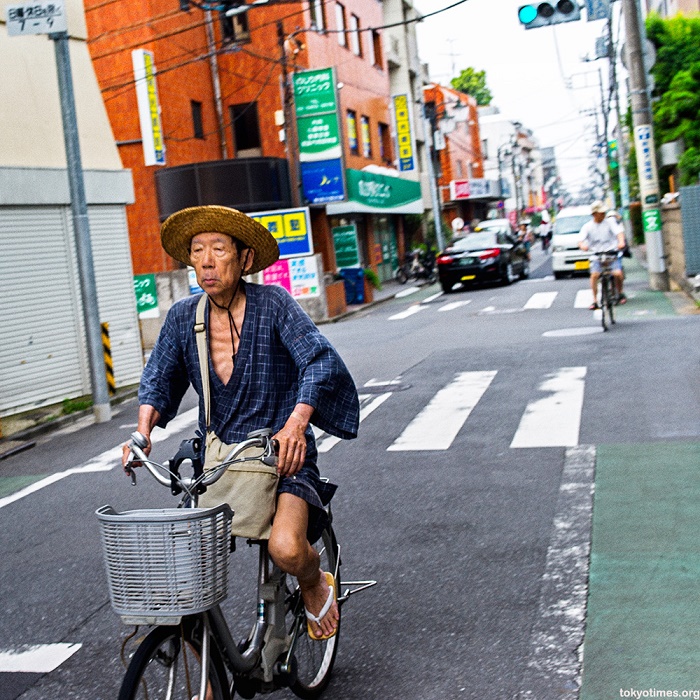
(483, 256)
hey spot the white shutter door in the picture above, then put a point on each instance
(41, 358)
(115, 290)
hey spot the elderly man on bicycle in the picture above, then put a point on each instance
(599, 236)
(272, 368)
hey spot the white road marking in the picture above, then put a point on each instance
(406, 292)
(437, 425)
(570, 332)
(326, 442)
(105, 461)
(408, 312)
(432, 298)
(39, 658)
(555, 420)
(488, 309)
(541, 300)
(584, 298)
(454, 305)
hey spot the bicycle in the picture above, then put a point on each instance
(167, 568)
(608, 295)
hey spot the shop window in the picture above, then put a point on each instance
(385, 150)
(197, 125)
(355, 42)
(318, 17)
(340, 24)
(246, 129)
(353, 143)
(366, 137)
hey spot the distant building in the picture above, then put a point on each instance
(670, 8)
(464, 191)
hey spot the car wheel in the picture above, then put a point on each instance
(525, 271)
(447, 286)
(558, 275)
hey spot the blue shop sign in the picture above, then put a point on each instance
(323, 181)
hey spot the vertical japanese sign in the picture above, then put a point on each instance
(149, 109)
(318, 127)
(404, 134)
(347, 249)
(146, 296)
(648, 176)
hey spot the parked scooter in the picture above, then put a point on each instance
(418, 265)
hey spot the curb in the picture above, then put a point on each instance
(24, 439)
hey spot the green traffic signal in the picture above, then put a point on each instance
(527, 13)
(543, 14)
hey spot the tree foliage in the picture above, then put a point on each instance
(473, 83)
(677, 77)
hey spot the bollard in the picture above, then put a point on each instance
(107, 350)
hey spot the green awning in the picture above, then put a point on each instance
(374, 193)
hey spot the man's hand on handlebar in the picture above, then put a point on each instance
(292, 441)
(128, 459)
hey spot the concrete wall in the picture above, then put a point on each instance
(672, 229)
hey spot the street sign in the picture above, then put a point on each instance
(651, 220)
(36, 18)
(597, 9)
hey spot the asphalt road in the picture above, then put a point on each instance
(455, 522)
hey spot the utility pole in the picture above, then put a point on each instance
(215, 81)
(645, 148)
(430, 126)
(88, 287)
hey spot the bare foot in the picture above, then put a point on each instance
(315, 597)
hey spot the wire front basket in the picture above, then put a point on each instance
(165, 563)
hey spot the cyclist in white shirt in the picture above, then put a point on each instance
(598, 236)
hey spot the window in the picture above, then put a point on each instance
(198, 128)
(352, 133)
(460, 169)
(318, 18)
(235, 29)
(246, 130)
(340, 24)
(355, 43)
(366, 137)
(376, 42)
(485, 149)
(385, 144)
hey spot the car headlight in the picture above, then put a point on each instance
(559, 248)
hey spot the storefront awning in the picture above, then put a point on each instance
(374, 193)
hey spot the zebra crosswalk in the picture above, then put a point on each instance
(536, 301)
(552, 418)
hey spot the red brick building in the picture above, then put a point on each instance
(462, 189)
(224, 104)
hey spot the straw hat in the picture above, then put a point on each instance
(180, 228)
(598, 207)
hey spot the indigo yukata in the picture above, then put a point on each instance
(282, 360)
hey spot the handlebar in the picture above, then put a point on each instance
(167, 474)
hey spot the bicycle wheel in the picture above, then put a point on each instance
(606, 302)
(166, 666)
(313, 659)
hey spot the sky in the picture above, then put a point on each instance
(527, 71)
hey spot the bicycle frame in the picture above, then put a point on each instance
(266, 660)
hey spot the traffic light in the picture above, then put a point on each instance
(542, 14)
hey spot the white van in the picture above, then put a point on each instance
(567, 257)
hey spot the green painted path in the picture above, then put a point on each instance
(643, 620)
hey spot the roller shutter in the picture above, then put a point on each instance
(42, 358)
